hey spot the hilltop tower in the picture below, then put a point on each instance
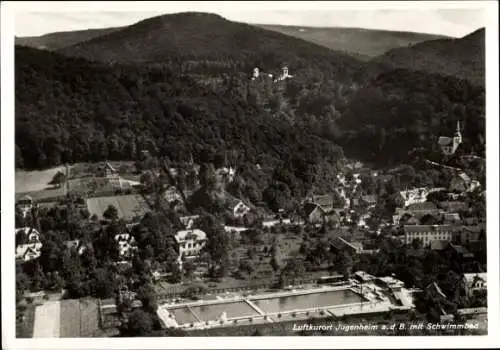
(255, 74)
(284, 71)
(457, 138)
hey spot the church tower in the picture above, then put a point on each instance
(457, 138)
(284, 72)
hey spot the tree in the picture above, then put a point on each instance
(347, 264)
(104, 283)
(147, 180)
(111, 213)
(245, 266)
(275, 264)
(140, 324)
(147, 296)
(189, 267)
(276, 195)
(58, 178)
(416, 244)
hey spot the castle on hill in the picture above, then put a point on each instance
(449, 145)
(257, 74)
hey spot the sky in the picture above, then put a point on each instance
(447, 18)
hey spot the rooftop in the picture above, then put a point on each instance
(340, 243)
(181, 236)
(371, 199)
(427, 228)
(464, 177)
(434, 286)
(323, 200)
(459, 249)
(444, 140)
(470, 277)
(439, 244)
(422, 206)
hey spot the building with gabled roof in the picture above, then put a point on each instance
(428, 233)
(449, 145)
(236, 206)
(28, 252)
(79, 246)
(190, 243)
(474, 283)
(32, 234)
(340, 245)
(188, 221)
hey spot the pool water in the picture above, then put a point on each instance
(183, 315)
(308, 301)
(212, 312)
(233, 309)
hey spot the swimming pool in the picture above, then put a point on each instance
(232, 310)
(308, 301)
(212, 312)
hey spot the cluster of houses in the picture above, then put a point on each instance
(440, 225)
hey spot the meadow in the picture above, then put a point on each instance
(128, 206)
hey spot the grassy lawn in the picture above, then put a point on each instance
(33, 181)
(129, 206)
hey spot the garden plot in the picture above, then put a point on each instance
(128, 206)
(79, 318)
(47, 320)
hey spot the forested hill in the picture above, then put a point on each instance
(56, 41)
(404, 112)
(70, 110)
(463, 58)
(205, 38)
(359, 42)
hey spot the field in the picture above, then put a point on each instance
(31, 181)
(45, 194)
(288, 245)
(47, 320)
(79, 318)
(79, 170)
(128, 206)
(93, 185)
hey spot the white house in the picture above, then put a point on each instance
(417, 195)
(126, 245)
(188, 221)
(32, 235)
(25, 204)
(474, 283)
(237, 208)
(226, 174)
(428, 233)
(190, 242)
(28, 252)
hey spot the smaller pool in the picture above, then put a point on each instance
(183, 315)
(308, 301)
(212, 312)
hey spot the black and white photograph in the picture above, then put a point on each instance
(178, 172)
